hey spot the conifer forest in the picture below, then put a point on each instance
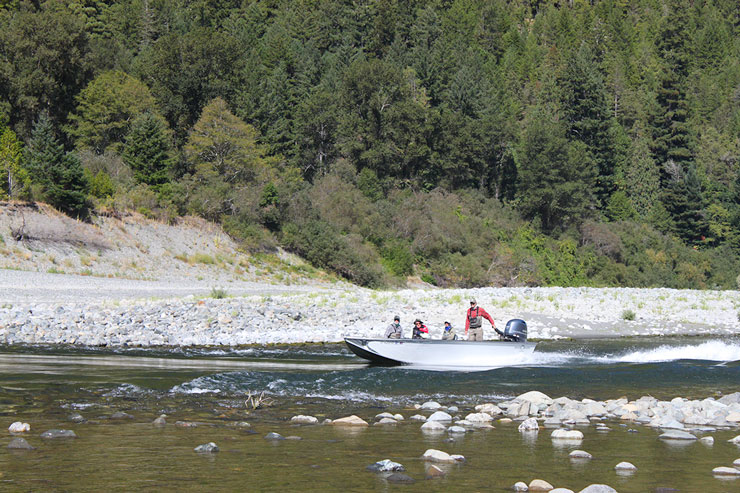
(463, 142)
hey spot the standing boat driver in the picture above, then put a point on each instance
(420, 330)
(394, 330)
(474, 321)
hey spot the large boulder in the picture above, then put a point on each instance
(478, 418)
(489, 408)
(598, 488)
(536, 398)
(433, 427)
(430, 406)
(677, 435)
(529, 424)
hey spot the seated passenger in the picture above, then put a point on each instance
(449, 333)
(420, 330)
(394, 330)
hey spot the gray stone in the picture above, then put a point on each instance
(385, 465)
(540, 485)
(561, 490)
(439, 416)
(726, 471)
(625, 466)
(434, 472)
(529, 424)
(19, 443)
(430, 406)
(399, 477)
(677, 435)
(160, 421)
(433, 426)
(76, 418)
(433, 455)
(579, 454)
(121, 415)
(564, 434)
(304, 420)
(207, 448)
(520, 486)
(274, 436)
(58, 434)
(456, 430)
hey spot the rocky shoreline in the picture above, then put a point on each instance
(112, 316)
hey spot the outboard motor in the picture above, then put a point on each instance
(515, 330)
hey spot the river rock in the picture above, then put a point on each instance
(387, 421)
(76, 418)
(520, 486)
(439, 416)
(350, 421)
(58, 434)
(456, 430)
(598, 488)
(433, 426)
(677, 435)
(736, 463)
(430, 406)
(625, 466)
(19, 443)
(726, 471)
(383, 415)
(418, 417)
(304, 420)
(529, 424)
(207, 448)
(733, 417)
(735, 440)
(398, 417)
(579, 454)
(488, 408)
(561, 490)
(186, 424)
(399, 477)
(121, 415)
(433, 455)
(552, 422)
(479, 418)
(274, 436)
(19, 427)
(563, 434)
(434, 472)
(536, 398)
(160, 421)
(540, 485)
(385, 465)
(707, 440)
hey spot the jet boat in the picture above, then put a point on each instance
(512, 347)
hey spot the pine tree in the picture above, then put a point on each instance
(59, 177)
(13, 178)
(642, 177)
(147, 149)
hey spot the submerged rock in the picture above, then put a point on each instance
(385, 465)
(520, 486)
(121, 415)
(561, 490)
(735, 440)
(399, 477)
(434, 472)
(304, 420)
(707, 440)
(418, 417)
(387, 421)
(456, 430)
(58, 434)
(160, 421)
(726, 471)
(274, 436)
(207, 448)
(19, 443)
(76, 418)
(19, 427)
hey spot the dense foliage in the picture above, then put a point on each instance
(467, 142)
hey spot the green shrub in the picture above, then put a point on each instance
(219, 293)
(628, 315)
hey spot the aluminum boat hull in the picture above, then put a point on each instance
(437, 353)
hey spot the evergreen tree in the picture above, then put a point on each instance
(59, 177)
(642, 177)
(684, 202)
(587, 115)
(13, 178)
(147, 149)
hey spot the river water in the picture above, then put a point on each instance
(44, 386)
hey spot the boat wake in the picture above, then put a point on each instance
(707, 351)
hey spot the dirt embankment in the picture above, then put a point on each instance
(35, 237)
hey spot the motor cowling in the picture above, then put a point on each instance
(515, 330)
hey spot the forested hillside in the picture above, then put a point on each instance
(467, 142)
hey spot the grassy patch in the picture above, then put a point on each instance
(628, 315)
(219, 293)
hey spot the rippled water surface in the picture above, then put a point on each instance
(45, 385)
